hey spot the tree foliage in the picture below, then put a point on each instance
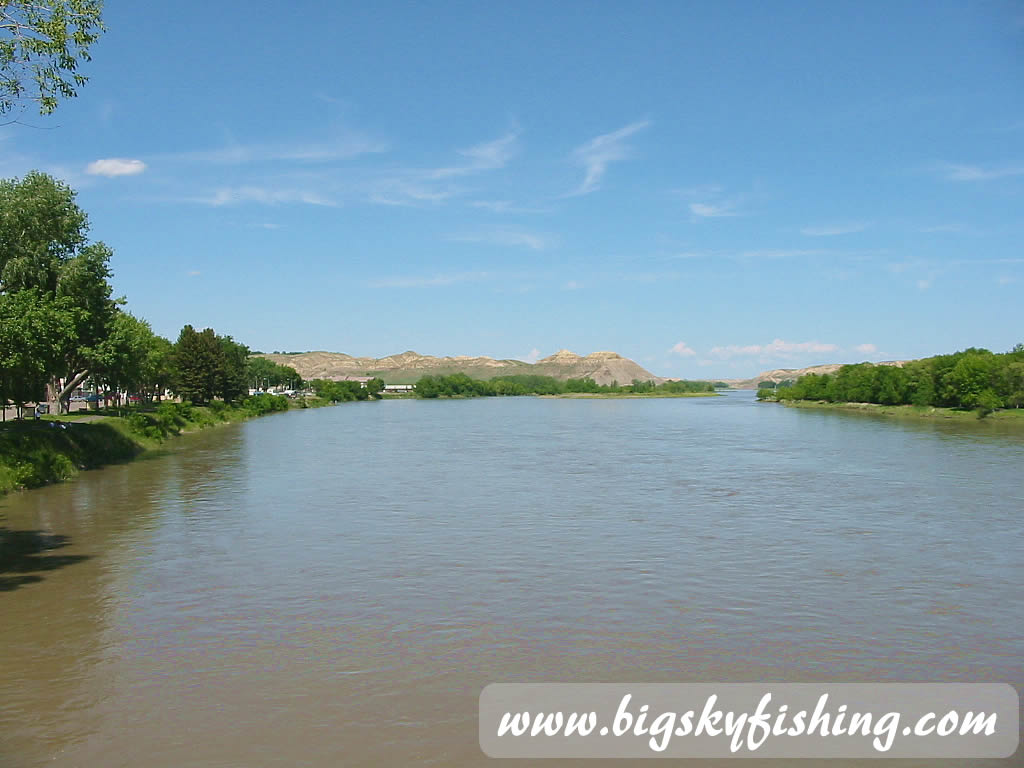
(44, 248)
(196, 363)
(33, 328)
(973, 379)
(42, 43)
(262, 373)
(461, 385)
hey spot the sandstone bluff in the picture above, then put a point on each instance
(406, 368)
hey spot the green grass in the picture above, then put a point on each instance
(54, 449)
(34, 453)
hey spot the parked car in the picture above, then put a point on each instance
(92, 397)
(134, 399)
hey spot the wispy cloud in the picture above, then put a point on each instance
(866, 349)
(571, 285)
(533, 241)
(1006, 280)
(781, 253)
(263, 196)
(505, 206)
(777, 349)
(682, 349)
(408, 193)
(830, 230)
(955, 172)
(194, 273)
(338, 148)
(430, 281)
(487, 156)
(417, 187)
(597, 154)
(699, 191)
(534, 356)
(712, 210)
(942, 228)
(115, 166)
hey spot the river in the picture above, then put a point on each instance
(335, 586)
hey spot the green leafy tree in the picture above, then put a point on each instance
(374, 387)
(261, 373)
(44, 246)
(42, 43)
(196, 365)
(231, 371)
(134, 359)
(33, 329)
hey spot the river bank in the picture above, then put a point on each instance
(53, 449)
(626, 395)
(1014, 417)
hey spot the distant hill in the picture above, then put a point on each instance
(408, 367)
(792, 374)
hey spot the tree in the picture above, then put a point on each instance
(231, 373)
(44, 246)
(262, 373)
(133, 357)
(374, 387)
(33, 328)
(196, 365)
(41, 45)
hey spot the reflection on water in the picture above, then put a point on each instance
(335, 587)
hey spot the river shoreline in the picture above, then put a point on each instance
(1014, 417)
(54, 449)
(626, 395)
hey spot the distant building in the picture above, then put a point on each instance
(398, 389)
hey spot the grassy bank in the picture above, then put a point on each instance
(54, 449)
(1013, 416)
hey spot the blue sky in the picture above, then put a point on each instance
(711, 189)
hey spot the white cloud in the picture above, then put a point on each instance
(487, 156)
(263, 195)
(866, 349)
(115, 166)
(430, 281)
(712, 211)
(682, 349)
(1006, 280)
(194, 273)
(977, 173)
(597, 154)
(536, 242)
(505, 206)
(943, 228)
(572, 285)
(776, 349)
(534, 356)
(781, 253)
(924, 284)
(403, 192)
(339, 148)
(830, 230)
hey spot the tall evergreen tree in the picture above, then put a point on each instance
(197, 365)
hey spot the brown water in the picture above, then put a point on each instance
(335, 587)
